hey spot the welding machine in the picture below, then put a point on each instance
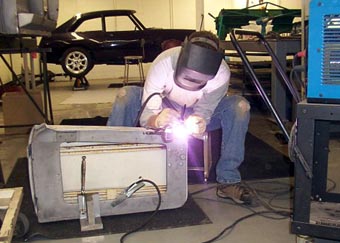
(84, 173)
(324, 52)
(316, 206)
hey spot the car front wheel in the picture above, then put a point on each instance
(76, 62)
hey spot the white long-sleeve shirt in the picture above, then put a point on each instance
(160, 79)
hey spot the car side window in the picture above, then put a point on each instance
(90, 25)
(119, 23)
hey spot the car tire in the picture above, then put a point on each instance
(76, 62)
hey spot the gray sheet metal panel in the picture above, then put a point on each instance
(46, 179)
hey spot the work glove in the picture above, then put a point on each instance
(167, 117)
(195, 124)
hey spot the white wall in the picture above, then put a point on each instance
(153, 13)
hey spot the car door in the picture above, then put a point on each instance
(123, 38)
(90, 34)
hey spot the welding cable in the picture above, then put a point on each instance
(294, 76)
(203, 190)
(269, 214)
(267, 205)
(144, 105)
(183, 112)
(162, 95)
(232, 226)
(276, 197)
(260, 201)
(247, 207)
(151, 216)
(257, 192)
(265, 214)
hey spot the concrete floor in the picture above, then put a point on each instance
(222, 213)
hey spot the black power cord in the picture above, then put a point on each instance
(143, 107)
(272, 210)
(232, 226)
(150, 217)
(269, 213)
(162, 95)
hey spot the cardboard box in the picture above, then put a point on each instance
(18, 109)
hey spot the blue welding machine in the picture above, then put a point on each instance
(323, 85)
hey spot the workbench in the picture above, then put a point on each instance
(282, 47)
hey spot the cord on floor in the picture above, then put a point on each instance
(151, 216)
(281, 214)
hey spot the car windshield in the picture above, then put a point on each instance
(65, 26)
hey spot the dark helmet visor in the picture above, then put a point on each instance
(196, 65)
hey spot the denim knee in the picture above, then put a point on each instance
(129, 93)
(242, 108)
(126, 106)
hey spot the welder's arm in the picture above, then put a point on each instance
(205, 107)
(166, 117)
(154, 83)
(207, 104)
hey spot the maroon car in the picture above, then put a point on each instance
(105, 37)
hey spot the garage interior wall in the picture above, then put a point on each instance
(152, 13)
(187, 14)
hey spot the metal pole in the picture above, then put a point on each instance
(257, 84)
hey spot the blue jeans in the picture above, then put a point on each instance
(126, 107)
(232, 115)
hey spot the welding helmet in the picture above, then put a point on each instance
(196, 64)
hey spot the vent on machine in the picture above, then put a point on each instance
(331, 46)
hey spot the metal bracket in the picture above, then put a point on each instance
(295, 153)
(302, 160)
(89, 212)
(89, 208)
